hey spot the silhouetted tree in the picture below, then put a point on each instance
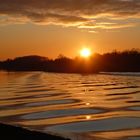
(126, 61)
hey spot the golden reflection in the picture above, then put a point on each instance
(69, 119)
(87, 104)
(118, 134)
(110, 103)
(88, 117)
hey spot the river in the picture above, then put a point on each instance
(81, 107)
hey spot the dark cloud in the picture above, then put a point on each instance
(69, 12)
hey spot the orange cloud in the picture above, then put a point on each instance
(77, 13)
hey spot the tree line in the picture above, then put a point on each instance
(125, 61)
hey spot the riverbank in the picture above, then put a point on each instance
(11, 132)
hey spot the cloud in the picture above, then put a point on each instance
(106, 25)
(4, 20)
(78, 13)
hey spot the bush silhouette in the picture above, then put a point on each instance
(126, 61)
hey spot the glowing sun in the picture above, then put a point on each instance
(85, 52)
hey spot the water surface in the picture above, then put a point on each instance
(101, 106)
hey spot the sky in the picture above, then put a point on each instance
(52, 27)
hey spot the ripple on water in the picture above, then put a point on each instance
(52, 102)
(79, 104)
(109, 124)
(61, 113)
(135, 108)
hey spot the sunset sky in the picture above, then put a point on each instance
(53, 27)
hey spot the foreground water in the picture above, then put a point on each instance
(81, 107)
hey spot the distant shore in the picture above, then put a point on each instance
(126, 61)
(12, 132)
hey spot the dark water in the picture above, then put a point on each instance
(81, 107)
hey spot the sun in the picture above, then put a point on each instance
(85, 52)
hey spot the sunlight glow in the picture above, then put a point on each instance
(85, 52)
(88, 117)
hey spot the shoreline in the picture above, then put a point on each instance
(13, 132)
